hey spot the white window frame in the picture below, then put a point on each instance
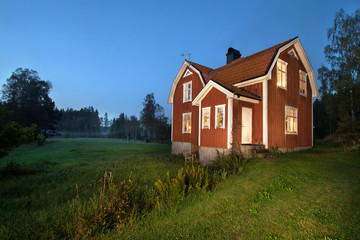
(216, 112)
(202, 112)
(185, 91)
(183, 118)
(295, 132)
(279, 61)
(305, 75)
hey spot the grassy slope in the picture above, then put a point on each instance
(38, 205)
(306, 195)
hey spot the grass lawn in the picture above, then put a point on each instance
(306, 195)
(313, 194)
(38, 205)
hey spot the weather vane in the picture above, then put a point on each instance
(186, 55)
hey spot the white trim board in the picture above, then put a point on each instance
(178, 77)
(299, 48)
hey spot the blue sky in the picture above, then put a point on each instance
(110, 54)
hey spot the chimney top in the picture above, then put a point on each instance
(232, 54)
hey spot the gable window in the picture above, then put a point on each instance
(220, 116)
(281, 73)
(302, 82)
(290, 120)
(186, 126)
(206, 118)
(187, 92)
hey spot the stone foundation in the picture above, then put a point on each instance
(208, 154)
(294, 149)
(180, 147)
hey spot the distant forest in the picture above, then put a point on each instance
(86, 122)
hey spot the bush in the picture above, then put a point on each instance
(28, 134)
(40, 139)
(174, 189)
(114, 206)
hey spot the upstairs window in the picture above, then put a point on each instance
(186, 123)
(187, 92)
(220, 116)
(281, 73)
(206, 118)
(290, 120)
(302, 82)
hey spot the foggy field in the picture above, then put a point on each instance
(313, 194)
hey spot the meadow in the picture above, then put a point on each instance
(313, 194)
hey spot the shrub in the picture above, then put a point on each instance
(114, 206)
(28, 134)
(40, 139)
(232, 163)
(174, 189)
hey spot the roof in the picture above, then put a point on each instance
(244, 68)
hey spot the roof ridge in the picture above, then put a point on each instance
(257, 53)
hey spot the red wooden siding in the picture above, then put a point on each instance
(214, 137)
(279, 97)
(179, 108)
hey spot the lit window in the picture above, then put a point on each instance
(187, 91)
(206, 118)
(302, 88)
(281, 73)
(220, 116)
(290, 120)
(186, 123)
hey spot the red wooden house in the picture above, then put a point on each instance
(263, 99)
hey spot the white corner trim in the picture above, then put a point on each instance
(199, 127)
(265, 113)
(230, 122)
(172, 122)
(211, 84)
(178, 77)
(188, 73)
(216, 110)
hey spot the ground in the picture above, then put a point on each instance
(313, 194)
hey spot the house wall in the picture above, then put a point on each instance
(279, 97)
(179, 108)
(214, 137)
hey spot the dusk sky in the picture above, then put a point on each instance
(110, 54)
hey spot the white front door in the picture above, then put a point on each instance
(246, 132)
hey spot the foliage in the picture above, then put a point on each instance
(340, 85)
(153, 119)
(124, 127)
(12, 134)
(79, 123)
(40, 139)
(232, 162)
(348, 132)
(174, 189)
(27, 95)
(114, 206)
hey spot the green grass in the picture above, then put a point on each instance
(38, 205)
(313, 194)
(305, 195)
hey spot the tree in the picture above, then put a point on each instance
(341, 83)
(153, 119)
(27, 95)
(147, 115)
